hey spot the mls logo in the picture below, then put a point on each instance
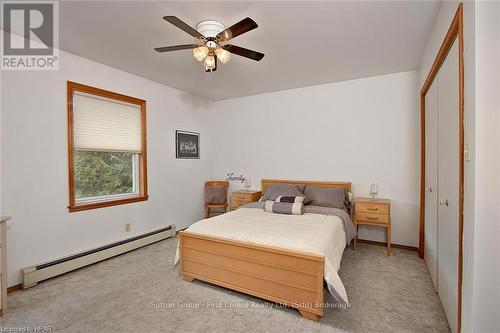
(30, 35)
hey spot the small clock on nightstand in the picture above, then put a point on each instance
(376, 212)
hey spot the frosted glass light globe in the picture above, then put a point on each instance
(210, 61)
(222, 55)
(200, 52)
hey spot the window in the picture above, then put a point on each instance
(107, 148)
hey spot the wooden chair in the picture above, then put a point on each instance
(224, 206)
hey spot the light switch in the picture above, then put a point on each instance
(467, 151)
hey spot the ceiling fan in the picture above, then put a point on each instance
(212, 37)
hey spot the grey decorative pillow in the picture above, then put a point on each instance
(284, 207)
(326, 196)
(215, 195)
(275, 191)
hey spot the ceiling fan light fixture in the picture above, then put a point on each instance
(222, 55)
(200, 52)
(211, 41)
(210, 61)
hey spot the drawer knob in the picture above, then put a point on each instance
(372, 218)
(372, 209)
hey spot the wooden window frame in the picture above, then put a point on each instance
(73, 87)
(455, 32)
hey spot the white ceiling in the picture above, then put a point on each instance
(305, 43)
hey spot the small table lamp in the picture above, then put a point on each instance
(374, 190)
(248, 183)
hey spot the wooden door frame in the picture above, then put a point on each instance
(455, 31)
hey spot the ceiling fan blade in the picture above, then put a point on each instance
(237, 29)
(183, 26)
(250, 54)
(176, 47)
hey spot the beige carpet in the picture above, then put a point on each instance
(142, 292)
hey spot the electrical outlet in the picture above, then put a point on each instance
(127, 227)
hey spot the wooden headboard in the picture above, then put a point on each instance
(264, 183)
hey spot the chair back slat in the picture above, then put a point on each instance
(217, 183)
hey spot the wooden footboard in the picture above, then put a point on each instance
(287, 277)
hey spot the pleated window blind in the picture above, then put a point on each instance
(102, 124)
(107, 149)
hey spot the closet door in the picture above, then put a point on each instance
(431, 179)
(448, 183)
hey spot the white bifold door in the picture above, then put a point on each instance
(431, 178)
(442, 183)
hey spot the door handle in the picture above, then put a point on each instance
(428, 189)
(443, 202)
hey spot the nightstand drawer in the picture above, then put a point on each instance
(246, 195)
(372, 218)
(368, 207)
(243, 197)
(236, 202)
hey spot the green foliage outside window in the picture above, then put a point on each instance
(103, 173)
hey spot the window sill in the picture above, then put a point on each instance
(109, 203)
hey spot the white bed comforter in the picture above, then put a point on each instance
(313, 233)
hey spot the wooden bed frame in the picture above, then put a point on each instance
(279, 275)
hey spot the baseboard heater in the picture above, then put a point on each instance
(35, 274)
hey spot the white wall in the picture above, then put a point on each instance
(443, 22)
(1, 165)
(35, 172)
(361, 131)
(487, 220)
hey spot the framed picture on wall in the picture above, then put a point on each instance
(187, 144)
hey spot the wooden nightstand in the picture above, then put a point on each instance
(375, 212)
(243, 197)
